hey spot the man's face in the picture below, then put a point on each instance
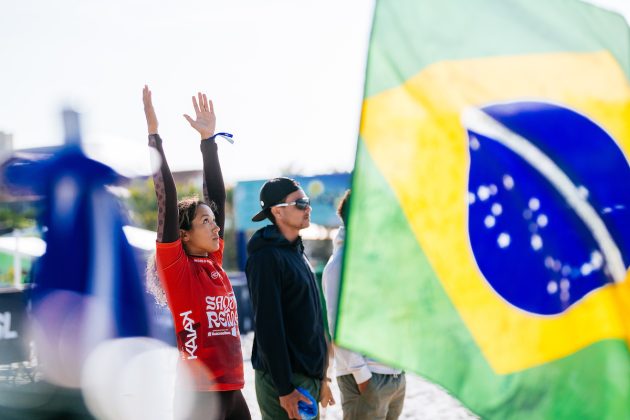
(291, 216)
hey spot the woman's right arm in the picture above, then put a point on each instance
(168, 220)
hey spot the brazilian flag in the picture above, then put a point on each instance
(489, 236)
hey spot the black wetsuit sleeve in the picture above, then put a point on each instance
(166, 193)
(213, 186)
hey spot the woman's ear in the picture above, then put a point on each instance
(183, 234)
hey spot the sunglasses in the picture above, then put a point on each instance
(300, 204)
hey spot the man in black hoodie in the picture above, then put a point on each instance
(289, 345)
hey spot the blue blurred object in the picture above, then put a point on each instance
(87, 285)
(87, 252)
(307, 411)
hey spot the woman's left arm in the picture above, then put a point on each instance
(213, 185)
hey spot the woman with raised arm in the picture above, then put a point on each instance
(189, 255)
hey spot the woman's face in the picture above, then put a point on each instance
(203, 236)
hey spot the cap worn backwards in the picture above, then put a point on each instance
(274, 192)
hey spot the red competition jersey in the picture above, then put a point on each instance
(203, 307)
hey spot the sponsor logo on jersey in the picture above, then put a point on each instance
(222, 314)
(189, 335)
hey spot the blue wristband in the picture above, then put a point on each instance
(226, 136)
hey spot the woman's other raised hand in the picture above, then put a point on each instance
(205, 120)
(149, 112)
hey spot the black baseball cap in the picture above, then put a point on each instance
(274, 192)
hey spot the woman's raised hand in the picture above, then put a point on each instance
(149, 112)
(205, 120)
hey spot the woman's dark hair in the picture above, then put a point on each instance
(344, 207)
(187, 208)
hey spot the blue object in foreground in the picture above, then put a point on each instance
(307, 411)
(87, 253)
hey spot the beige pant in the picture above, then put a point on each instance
(382, 400)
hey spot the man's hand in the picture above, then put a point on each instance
(290, 403)
(325, 394)
(363, 386)
(149, 112)
(205, 120)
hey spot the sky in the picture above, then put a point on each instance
(286, 78)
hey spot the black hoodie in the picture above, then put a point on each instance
(287, 313)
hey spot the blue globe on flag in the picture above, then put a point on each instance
(549, 200)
